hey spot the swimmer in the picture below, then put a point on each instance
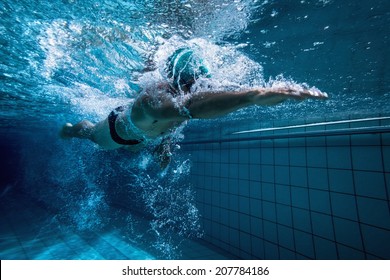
(156, 113)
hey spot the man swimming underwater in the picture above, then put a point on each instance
(163, 107)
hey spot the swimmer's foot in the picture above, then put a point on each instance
(81, 130)
(163, 153)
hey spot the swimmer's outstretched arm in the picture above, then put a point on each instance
(206, 105)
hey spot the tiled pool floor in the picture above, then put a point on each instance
(29, 231)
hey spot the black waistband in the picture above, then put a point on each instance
(114, 135)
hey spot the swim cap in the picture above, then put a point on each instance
(184, 67)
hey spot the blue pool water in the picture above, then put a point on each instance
(308, 180)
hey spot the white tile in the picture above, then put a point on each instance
(322, 225)
(325, 249)
(282, 175)
(318, 178)
(298, 176)
(376, 241)
(297, 156)
(339, 157)
(281, 156)
(267, 155)
(286, 237)
(344, 206)
(348, 233)
(304, 244)
(300, 197)
(371, 184)
(341, 181)
(367, 158)
(374, 212)
(386, 157)
(319, 201)
(316, 157)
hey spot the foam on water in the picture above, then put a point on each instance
(227, 66)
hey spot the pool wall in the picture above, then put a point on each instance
(317, 191)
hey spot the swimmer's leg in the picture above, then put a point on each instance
(163, 153)
(98, 133)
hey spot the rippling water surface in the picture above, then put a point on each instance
(62, 60)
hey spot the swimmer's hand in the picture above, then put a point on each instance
(278, 94)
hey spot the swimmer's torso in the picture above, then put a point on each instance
(155, 123)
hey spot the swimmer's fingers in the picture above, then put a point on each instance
(302, 93)
(314, 93)
(275, 95)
